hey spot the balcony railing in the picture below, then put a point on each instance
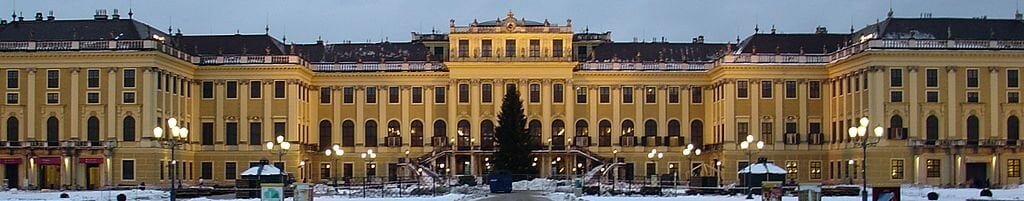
(774, 58)
(463, 143)
(393, 141)
(637, 66)
(627, 141)
(581, 141)
(605, 141)
(558, 142)
(650, 141)
(675, 141)
(897, 134)
(268, 59)
(439, 141)
(416, 141)
(502, 29)
(792, 138)
(816, 138)
(418, 66)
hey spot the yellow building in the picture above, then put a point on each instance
(83, 96)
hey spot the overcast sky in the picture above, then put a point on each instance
(361, 20)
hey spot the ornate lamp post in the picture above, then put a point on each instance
(654, 157)
(689, 159)
(861, 139)
(337, 153)
(178, 136)
(745, 145)
(283, 147)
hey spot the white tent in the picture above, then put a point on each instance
(762, 168)
(267, 170)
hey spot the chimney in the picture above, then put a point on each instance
(820, 30)
(39, 15)
(116, 16)
(101, 14)
(50, 17)
(700, 39)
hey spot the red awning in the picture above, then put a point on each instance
(7, 161)
(47, 161)
(90, 160)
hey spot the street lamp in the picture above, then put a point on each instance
(178, 136)
(689, 158)
(337, 153)
(745, 145)
(283, 147)
(860, 138)
(654, 156)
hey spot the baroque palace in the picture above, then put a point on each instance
(82, 98)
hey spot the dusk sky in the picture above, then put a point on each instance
(362, 20)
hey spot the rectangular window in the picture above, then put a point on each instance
(534, 93)
(627, 95)
(510, 48)
(1013, 168)
(534, 48)
(895, 77)
(815, 169)
(207, 132)
(176, 83)
(931, 77)
(766, 89)
(581, 95)
(767, 132)
(417, 95)
(348, 95)
(972, 78)
(933, 168)
(230, 170)
(931, 96)
(232, 89)
(605, 94)
(558, 93)
(128, 170)
(279, 129)
(325, 171)
(651, 95)
(973, 96)
(128, 97)
(52, 79)
(1013, 97)
(159, 81)
(695, 95)
(207, 90)
(896, 167)
(255, 89)
(128, 78)
(1012, 78)
(814, 89)
(12, 79)
(255, 133)
(93, 78)
(463, 93)
(206, 170)
(463, 48)
(486, 91)
(92, 97)
(371, 95)
(792, 171)
(742, 130)
(52, 98)
(231, 133)
(673, 95)
(856, 84)
(742, 87)
(485, 48)
(12, 98)
(393, 94)
(556, 48)
(790, 89)
(791, 127)
(325, 95)
(896, 96)
(279, 89)
(439, 95)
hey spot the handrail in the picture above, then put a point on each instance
(642, 66)
(411, 66)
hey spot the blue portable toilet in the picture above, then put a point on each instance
(500, 183)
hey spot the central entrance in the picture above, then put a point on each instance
(977, 175)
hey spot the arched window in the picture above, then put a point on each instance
(534, 130)
(440, 136)
(487, 133)
(896, 121)
(464, 129)
(627, 128)
(416, 133)
(370, 133)
(697, 133)
(604, 131)
(52, 132)
(674, 132)
(394, 134)
(128, 134)
(896, 128)
(325, 135)
(582, 128)
(12, 131)
(931, 130)
(558, 128)
(92, 130)
(972, 130)
(1012, 130)
(348, 133)
(650, 128)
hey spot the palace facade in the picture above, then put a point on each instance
(82, 96)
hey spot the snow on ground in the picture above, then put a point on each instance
(907, 193)
(15, 195)
(448, 197)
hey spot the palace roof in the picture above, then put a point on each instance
(657, 52)
(805, 43)
(366, 52)
(945, 29)
(80, 30)
(237, 45)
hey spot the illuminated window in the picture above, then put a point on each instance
(650, 95)
(1013, 168)
(815, 169)
(896, 167)
(792, 172)
(932, 167)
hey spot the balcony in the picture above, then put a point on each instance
(462, 143)
(393, 141)
(439, 141)
(792, 138)
(816, 139)
(11, 144)
(604, 141)
(897, 134)
(558, 142)
(488, 143)
(635, 66)
(405, 66)
(675, 141)
(581, 141)
(536, 142)
(627, 141)
(417, 141)
(650, 141)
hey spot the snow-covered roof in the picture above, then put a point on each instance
(762, 168)
(267, 170)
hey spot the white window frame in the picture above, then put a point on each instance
(46, 98)
(99, 97)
